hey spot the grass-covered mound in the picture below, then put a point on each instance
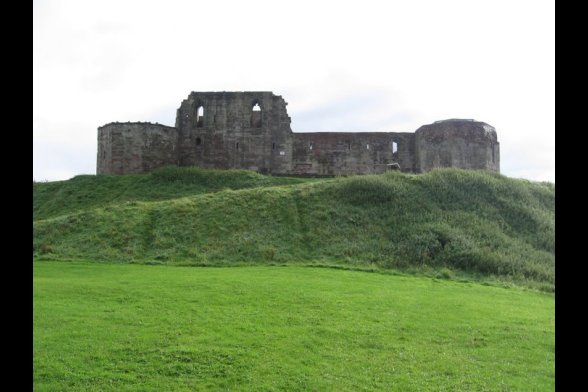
(473, 221)
(83, 192)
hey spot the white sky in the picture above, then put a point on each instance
(341, 65)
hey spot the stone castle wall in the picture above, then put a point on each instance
(251, 130)
(345, 153)
(230, 134)
(465, 144)
(125, 148)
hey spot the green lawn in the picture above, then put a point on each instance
(123, 327)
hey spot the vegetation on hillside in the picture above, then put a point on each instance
(452, 220)
(83, 192)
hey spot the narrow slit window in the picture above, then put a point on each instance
(256, 115)
(200, 116)
(367, 146)
(310, 146)
(237, 145)
(273, 146)
(394, 147)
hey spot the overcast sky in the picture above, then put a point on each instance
(340, 65)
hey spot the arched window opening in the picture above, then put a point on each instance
(394, 147)
(367, 146)
(273, 146)
(198, 141)
(200, 116)
(256, 115)
(237, 145)
(311, 145)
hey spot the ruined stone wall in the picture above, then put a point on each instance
(464, 144)
(221, 130)
(345, 153)
(125, 148)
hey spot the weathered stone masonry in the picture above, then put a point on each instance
(251, 130)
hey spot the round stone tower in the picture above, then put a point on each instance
(465, 144)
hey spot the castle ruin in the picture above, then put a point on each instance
(251, 130)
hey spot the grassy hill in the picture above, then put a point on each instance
(447, 220)
(84, 192)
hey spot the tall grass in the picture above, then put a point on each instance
(82, 192)
(473, 221)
